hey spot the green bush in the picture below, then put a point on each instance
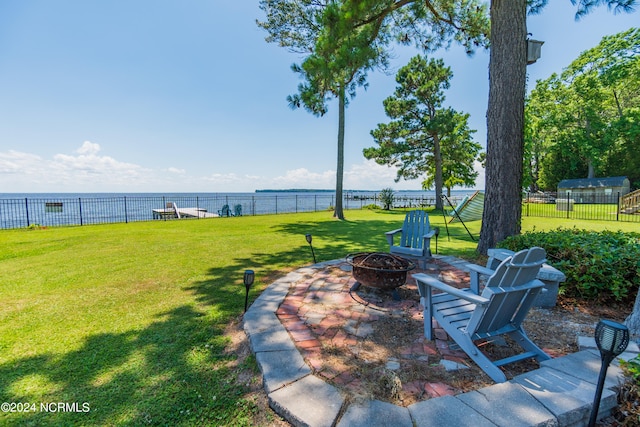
(601, 265)
(386, 198)
(371, 206)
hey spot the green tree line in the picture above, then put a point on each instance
(585, 122)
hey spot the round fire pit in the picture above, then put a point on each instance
(380, 270)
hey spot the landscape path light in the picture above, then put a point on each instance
(612, 339)
(309, 239)
(249, 276)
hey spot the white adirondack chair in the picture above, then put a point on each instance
(415, 237)
(499, 310)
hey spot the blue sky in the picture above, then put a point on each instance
(167, 96)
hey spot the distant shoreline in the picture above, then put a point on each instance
(294, 190)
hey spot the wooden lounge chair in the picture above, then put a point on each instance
(415, 237)
(499, 310)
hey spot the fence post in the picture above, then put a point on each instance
(126, 216)
(618, 208)
(26, 206)
(568, 194)
(276, 205)
(80, 209)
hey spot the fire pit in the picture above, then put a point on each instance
(379, 270)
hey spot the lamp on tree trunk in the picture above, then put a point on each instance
(534, 49)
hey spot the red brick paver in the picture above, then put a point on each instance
(321, 311)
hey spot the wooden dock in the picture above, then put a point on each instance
(173, 211)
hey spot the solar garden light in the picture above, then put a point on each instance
(249, 275)
(437, 233)
(612, 339)
(309, 239)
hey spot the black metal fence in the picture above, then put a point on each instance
(580, 205)
(57, 211)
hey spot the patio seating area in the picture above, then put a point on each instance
(315, 308)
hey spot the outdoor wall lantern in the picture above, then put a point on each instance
(534, 49)
(249, 275)
(612, 339)
(309, 239)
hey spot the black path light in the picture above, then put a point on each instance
(249, 275)
(309, 239)
(612, 339)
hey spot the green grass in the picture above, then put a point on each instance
(130, 318)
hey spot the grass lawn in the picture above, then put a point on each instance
(124, 322)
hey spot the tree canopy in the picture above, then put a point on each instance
(424, 139)
(362, 27)
(343, 40)
(585, 122)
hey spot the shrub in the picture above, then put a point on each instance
(386, 198)
(371, 206)
(627, 413)
(601, 265)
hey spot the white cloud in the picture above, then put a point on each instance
(367, 175)
(304, 178)
(177, 171)
(88, 148)
(16, 162)
(86, 170)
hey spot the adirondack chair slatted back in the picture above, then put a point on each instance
(511, 289)
(416, 225)
(521, 268)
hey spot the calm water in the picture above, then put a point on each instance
(51, 209)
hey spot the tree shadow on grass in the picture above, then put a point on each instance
(172, 372)
(175, 371)
(331, 240)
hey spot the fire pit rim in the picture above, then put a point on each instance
(410, 264)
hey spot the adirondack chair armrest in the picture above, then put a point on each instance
(474, 275)
(478, 269)
(425, 282)
(390, 235)
(430, 234)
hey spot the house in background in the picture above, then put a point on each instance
(594, 190)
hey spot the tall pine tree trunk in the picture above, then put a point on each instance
(338, 212)
(439, 180)
(505, 122)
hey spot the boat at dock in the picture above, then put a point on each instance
(173, 211)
